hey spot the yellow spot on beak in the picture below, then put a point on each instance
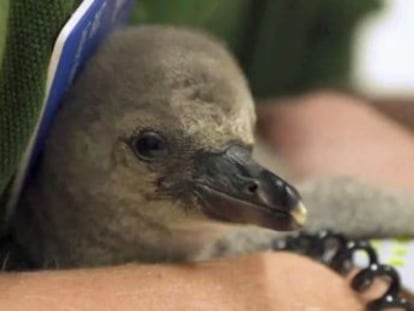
(300, 213)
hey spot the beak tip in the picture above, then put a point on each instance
(299, 214)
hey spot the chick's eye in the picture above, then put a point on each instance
(150, 145)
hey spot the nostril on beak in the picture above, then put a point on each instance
(252, 187)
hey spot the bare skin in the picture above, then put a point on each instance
(243, 283)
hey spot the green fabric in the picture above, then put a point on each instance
(4, 10)
(309, 45)
(33, 26)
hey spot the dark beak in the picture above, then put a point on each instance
(232, 187)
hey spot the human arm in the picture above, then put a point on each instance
(266, 281)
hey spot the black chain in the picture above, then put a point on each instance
(337, 252)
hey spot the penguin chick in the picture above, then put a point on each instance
(149, 160)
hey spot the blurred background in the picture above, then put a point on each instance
(286, 47)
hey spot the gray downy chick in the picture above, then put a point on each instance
(149, 160)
